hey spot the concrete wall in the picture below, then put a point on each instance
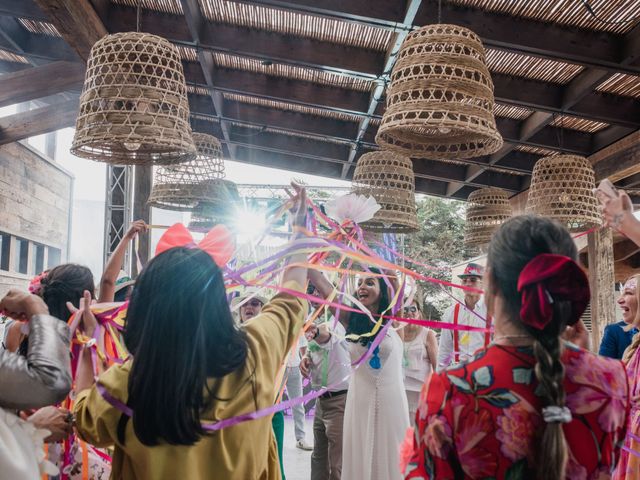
(35, 214)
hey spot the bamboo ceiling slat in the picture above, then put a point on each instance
(577, 123)
(197, 90)
(318, 112)
(236, 62)
(297, 24)
(567, 12)
(511, 111)
(621, 84)
(536, 150)
(206, 118)
(12, 57)
(166, 6)
(187, 53)
(40, 28)
(534, 68)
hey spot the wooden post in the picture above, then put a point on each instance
(141, 211)
(602, 280)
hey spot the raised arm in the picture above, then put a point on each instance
(44, 376)
(299, 220)
(617, 212)
(325, 288)
(114, 265)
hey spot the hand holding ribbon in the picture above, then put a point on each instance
(549, 277)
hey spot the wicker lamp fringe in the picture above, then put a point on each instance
(180, 187)
(440, 99)
(487, 209)
(134, 108)
(388, 177)
(562, 188)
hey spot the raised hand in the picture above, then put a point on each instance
(88, 322)
(22, 305)
(139, 226)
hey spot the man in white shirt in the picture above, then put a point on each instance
(327, 363)
(459, 345)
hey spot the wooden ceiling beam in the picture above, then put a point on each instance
(38, 121)
(290, 143)
(39, 82)
(22, 9)
(548, 97)
(261, 44)
(383, 14)
(286, 89)
(542, 39)
(195, 21)
(21, 42)
(77, 22)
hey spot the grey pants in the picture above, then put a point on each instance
(294, 390)
(326, 458)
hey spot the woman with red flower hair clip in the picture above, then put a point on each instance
(531, 405)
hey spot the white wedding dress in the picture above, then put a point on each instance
(376, 415)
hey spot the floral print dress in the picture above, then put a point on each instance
(482, 419)
(629, 466)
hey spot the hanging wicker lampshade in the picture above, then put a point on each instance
(562, 188)
(388, 177)
(487, 209)
(440, 99)
(180, 187)
(134, 108)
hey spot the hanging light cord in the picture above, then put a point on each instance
(439, 11)
(138, 16)
(592, 12)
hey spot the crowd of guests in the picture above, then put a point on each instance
(518, 397)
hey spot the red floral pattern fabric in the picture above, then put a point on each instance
(481, 420)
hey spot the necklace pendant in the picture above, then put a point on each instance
(374, 362)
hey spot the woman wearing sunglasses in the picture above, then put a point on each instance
(419, 358)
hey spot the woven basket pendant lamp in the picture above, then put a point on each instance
(562, 188)
(180, 187)
(487, 209)
(134, 108)
(440, 98)
(388, 177)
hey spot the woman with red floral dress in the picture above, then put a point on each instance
(530, 405)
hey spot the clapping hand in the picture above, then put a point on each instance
(86, 318)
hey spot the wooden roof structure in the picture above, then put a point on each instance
(300, 84)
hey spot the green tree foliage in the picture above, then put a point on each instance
(439, 243)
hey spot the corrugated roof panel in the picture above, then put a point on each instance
(511, 111)
(318, 112)
(297, 24)
(612, 15)
(577, 123)
(236, 62)
(534, 68)
(197, 90)
(621, 84)
(40, 28)
(12, 57)
(165, 6)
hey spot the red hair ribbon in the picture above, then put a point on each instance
(218, 242)
(548, 277)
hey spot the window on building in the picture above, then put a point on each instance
(22, 256)
(38, 259)
(5, 251)
(54, 257)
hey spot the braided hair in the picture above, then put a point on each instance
(514, 245)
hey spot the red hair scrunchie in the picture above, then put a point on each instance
(548, 277)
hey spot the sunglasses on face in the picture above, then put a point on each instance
(253, 303)
(411, 309)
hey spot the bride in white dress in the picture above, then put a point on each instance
(376, 415)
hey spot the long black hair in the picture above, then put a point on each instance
(65, 283)
(180, 332)
(360, 323)
(62, 284)
(514, 245)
